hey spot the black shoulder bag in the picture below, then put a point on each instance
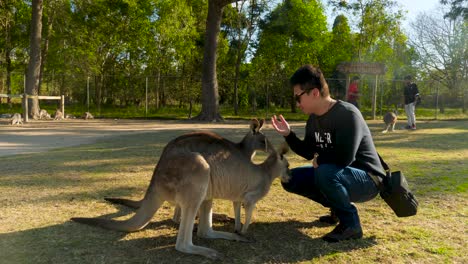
(395, 192)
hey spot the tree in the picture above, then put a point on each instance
(177, 45)
(210, 96)
(442, 45)
(111, 38)
(241, 24)
(32, 78)
(457, 9)
(15, 18)
(292, 35)
(340, 49)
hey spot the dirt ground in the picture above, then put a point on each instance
(42, 135)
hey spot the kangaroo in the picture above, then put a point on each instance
(58, 115)
(43, 114)
(16, 119)
(87, 115)
(390, 119)
(254, 140)
(213, 168)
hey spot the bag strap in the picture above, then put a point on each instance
(384, 164)
(379, 180)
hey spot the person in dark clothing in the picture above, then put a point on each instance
(411, 94)
(340, 145)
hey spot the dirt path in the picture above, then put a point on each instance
(39, 136)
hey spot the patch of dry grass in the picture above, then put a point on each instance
(40, 192)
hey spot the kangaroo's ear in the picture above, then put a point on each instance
(254, 125)
(261, 122)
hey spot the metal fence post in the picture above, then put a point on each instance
(25, 108)
(146, 98)
(437, 101)
(87, 93)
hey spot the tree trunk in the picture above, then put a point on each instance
(210, 96)
(45, 51)
(8, 66)
(238, 62)
(99, 86)
(32, 80)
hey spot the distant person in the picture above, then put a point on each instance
(353, 92)
(411, 94)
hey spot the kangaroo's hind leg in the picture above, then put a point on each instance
(192, 185)
(387, 126)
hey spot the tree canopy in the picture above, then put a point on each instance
(206, 52)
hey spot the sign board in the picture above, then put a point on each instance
(362, 68)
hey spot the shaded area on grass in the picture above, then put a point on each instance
(75, 243)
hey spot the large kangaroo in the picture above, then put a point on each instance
(193, 170)
(254, 140)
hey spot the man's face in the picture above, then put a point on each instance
(306, 100)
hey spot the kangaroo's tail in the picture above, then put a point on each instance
(141, 218)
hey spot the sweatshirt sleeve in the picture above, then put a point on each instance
(302, 148)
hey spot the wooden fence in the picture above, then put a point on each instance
(24, 98)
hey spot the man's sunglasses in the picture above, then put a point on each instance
(297, 97)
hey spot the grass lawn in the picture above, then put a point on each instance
(39, 193)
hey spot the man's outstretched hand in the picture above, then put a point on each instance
(281, 126)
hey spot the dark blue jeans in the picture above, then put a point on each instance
(335, 187)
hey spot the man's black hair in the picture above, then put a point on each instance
(309, 77)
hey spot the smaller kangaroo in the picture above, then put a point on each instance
(87, 115)
(390, 119)
(254, 140)
(16, 119)
(58, 115)
(193, 170)
(43, 114)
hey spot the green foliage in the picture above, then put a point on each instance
(291, 35)
(116, 45)
(340, 47)
(15, 20)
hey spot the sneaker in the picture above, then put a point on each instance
(341, 233)
(413, 127)
(329, 219)
(407, 127)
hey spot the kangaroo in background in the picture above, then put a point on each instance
(213, 168)
(16, 119)
(87, 115)
(254, 140)
(43, 114)
(390, 119)
(58, 115)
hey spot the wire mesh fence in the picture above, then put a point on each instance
(147, 94)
